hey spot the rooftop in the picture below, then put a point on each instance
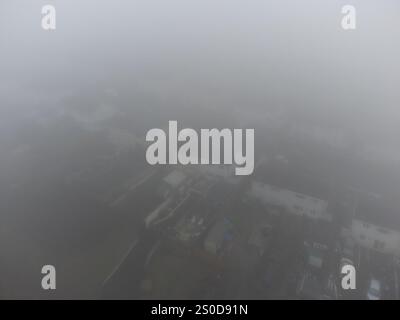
(175, 178)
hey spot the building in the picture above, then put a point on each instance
(174, 183)
(288, 187)
(316, 253)
(376, 226)
(315, 283)
(293, 202)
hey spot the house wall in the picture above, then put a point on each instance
(377, 238)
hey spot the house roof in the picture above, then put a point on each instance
(175, 178)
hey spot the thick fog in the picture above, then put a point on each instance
(112, 70)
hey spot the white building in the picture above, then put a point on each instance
(294, 202)
(376, 227)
